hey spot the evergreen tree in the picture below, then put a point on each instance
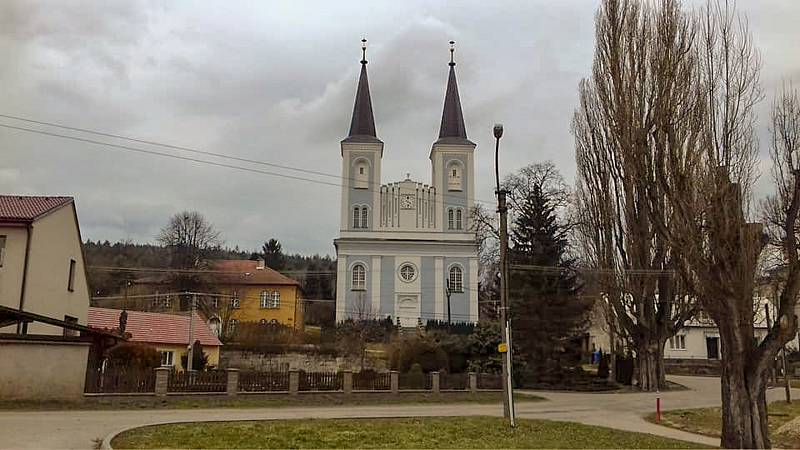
(548, 314)
(273, 254)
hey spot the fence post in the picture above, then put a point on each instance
(435, 382)
(347, 381)
(162, 381)
(232, 388)
(294, 381)
(473, 382)
(394, 379)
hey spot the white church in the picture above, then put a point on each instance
(405, 249)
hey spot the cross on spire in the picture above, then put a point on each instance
(362, 124)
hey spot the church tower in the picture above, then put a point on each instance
(361, 160)
(452, 162)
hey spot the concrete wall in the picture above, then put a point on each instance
(42, 370)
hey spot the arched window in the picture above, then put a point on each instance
(359, 278)
(454, 177)
(450, 219)
(361, 178)
(213, 323)
(456, 279)
(459, 222)
(264, 303)
(364, 218)
(276, 299)
(356, 217)
(262, 322)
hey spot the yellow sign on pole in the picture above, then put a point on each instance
(502, 347)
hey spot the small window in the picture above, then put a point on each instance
(459, 222)
(450, 220)
(361, 170)
(2, 249)
(167, 359)
(215, 302)
(232, 326)
(677, 342)
(235, 300)
(264, 299)
(364, 218)
(408, 273)
(356, 217)
(454, 178)
(262, 322)
(276, 300)
(455, 281)
(359, 282)
(72, 321)
(361, 180)
(71, 282)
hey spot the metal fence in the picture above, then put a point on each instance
(490, 381)
(321, 381)
(120, 380)
(453, 381)
(211, 381)
(372, 381)
(415, 381)
(263, 381)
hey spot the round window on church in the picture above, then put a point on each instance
(408, 273)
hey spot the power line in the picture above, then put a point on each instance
(191, 150)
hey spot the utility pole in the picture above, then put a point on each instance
(508, 390)
(190, 353)
(447, 291)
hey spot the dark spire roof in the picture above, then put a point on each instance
(452, 130)
(362, 125)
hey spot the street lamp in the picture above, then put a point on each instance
(508, 391)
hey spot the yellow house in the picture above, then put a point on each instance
(252, 292)
(170, 334)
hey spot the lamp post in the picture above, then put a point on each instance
(448, 291)
(508, 391)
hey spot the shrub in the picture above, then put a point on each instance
(417, 350)
(134, 355)
(199, 358)
(602, 366)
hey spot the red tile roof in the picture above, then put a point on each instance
(243, 271)
(154, 328)
(19, 208)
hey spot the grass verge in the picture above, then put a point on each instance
(708, 421)
(430, 432)
(261, 401)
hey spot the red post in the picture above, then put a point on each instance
(658, 409)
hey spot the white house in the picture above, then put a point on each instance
(405, 245)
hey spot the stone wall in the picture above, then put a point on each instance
(310, 362)
(676, 366)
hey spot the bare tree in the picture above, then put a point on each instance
(637, 115)
(188, 235)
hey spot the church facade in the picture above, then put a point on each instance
(405, 248)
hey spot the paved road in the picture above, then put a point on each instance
(78, 429)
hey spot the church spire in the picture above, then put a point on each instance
(362, 125)
(452, 128)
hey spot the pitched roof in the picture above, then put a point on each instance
(362, 125)
(244, 271)
(154, 328)
(26, 209)
(452, 129)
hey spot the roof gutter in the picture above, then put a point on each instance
(29, 234)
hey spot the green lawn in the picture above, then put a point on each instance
(708, 421)
(433, 432)
(261, 401)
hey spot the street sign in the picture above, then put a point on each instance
(502, 347)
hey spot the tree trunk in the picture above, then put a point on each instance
(650, 363)
(744, 402)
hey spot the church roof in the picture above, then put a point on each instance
(362, 125)
(452, 129)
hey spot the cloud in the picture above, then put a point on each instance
(275, 82)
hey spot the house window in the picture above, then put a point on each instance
(359, 278)
(356, 217)
(364, 217)
(456, 279)
(262, 322)
(677, 342)
(276, 300)
(2, 249)
(71, 281)
(264, 299)
(458, 220)
(450, 219)
(215, 301)
(167, 358)
(232, 326)
(235, 300)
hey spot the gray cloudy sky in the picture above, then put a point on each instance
(274, 81)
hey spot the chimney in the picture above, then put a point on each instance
(261, 264)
